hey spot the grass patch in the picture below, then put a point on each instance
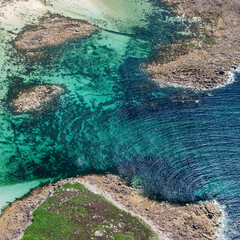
(73, 212)
(209, 41)
(121, 236)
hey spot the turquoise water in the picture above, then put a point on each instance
(113, 118)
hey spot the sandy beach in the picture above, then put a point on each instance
(14, 15)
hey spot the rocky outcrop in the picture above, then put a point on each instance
(205, 63)
(36, 98)
(193, 221)
(189, 222)
(52, 31)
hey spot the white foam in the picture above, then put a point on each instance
(224, 223)
(229, 80)
(232, 76)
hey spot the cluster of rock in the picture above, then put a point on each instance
(36, 98)
(52, 31)
(204, 66)
(192, 221)
(195, 221)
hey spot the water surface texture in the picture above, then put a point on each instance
(176, 144)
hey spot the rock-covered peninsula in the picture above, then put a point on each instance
(204, 61)
(196, 221)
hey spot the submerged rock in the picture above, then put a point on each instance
(52, 31)
(35, 98)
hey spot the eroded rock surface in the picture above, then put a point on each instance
(52, 31)
(36, 98)
(206, 62)
(193, 221)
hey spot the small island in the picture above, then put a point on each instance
(36, 98)
(52, 30)
(203, 62)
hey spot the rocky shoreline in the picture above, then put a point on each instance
(193, 221)
(205, 61)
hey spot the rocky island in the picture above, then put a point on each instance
(203, 62)
(36, 98)
(51, 31)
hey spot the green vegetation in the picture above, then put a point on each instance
(209, 41)
(192, 45)
(73, 212)
(120, 236)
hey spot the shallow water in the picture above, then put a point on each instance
(175, 143)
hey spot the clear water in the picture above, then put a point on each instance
(113, 118)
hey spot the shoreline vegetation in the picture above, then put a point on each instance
(74, 212)
(203, 62)
(192, 221)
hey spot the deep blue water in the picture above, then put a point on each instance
(174, 143)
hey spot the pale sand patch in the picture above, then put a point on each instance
(107, 14)
(119, 16)
(14, 15)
